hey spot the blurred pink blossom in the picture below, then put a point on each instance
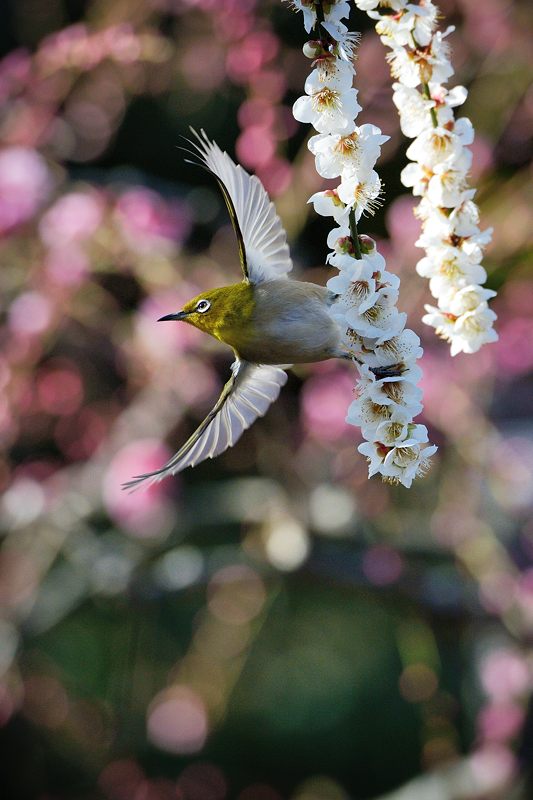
(255, 146)
(72, 218)
(30, 313)
(250, 54)
(15, 70)
(490, 31)
(25, 183)
(483, 160)
(325, 398)
(211, 56)
(146, 219)
(493, 766)
(68, 265)
(403, 226)
(505, 674)
(146, 513)
(237, 24)
(80, 435)
(276, 175)
(59, 388)
(256, 111)
(514, 350)
(270, 84)
(500, 721)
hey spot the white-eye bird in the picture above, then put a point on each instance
(267, 319)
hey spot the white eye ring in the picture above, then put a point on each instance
(202, 306)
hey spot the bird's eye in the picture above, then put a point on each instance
(202, 306)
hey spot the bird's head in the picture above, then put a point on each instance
(217, 310)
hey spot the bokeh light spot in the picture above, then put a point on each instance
(382, 565)
(418, 682)
(177, 721)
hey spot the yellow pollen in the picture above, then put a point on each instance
(440, 142)
(391, 480)
(450, 268)
(378, 411)
(325, 100)
(372, 314)
(405, 456)
(390, 347)
(474, 325)
(347, 144)
(395, 429)
(394, 391)
(360, 288)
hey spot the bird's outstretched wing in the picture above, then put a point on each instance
(246, 396)
(263, 248)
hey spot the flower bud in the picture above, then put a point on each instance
(344, 245)
(313, 49)
(366, 244)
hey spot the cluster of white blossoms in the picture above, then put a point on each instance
(451, 237)
(374, 333)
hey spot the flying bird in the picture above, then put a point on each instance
(270, 321)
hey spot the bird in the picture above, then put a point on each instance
(269, 320)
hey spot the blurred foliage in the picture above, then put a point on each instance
(269, 625)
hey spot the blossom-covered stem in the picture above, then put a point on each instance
(371, 329)
(453, 242)
(354, 234)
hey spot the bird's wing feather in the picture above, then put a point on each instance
(263, 248)
(246, 396)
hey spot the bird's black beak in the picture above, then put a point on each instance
(179, 315)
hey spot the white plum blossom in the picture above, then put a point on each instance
(365, 293)
(406, 461)
(414, 109)
(346, 41)
(449, 181)
(449, 271)
(308, 9)
(414, 21)
(438, 172)
(330, 105)
(335, 10)
(440, 145)
(467, 332)
(470, 298)
(353, 152)
(361, 191)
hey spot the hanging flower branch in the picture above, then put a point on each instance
(419, 60)
(384, 351)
